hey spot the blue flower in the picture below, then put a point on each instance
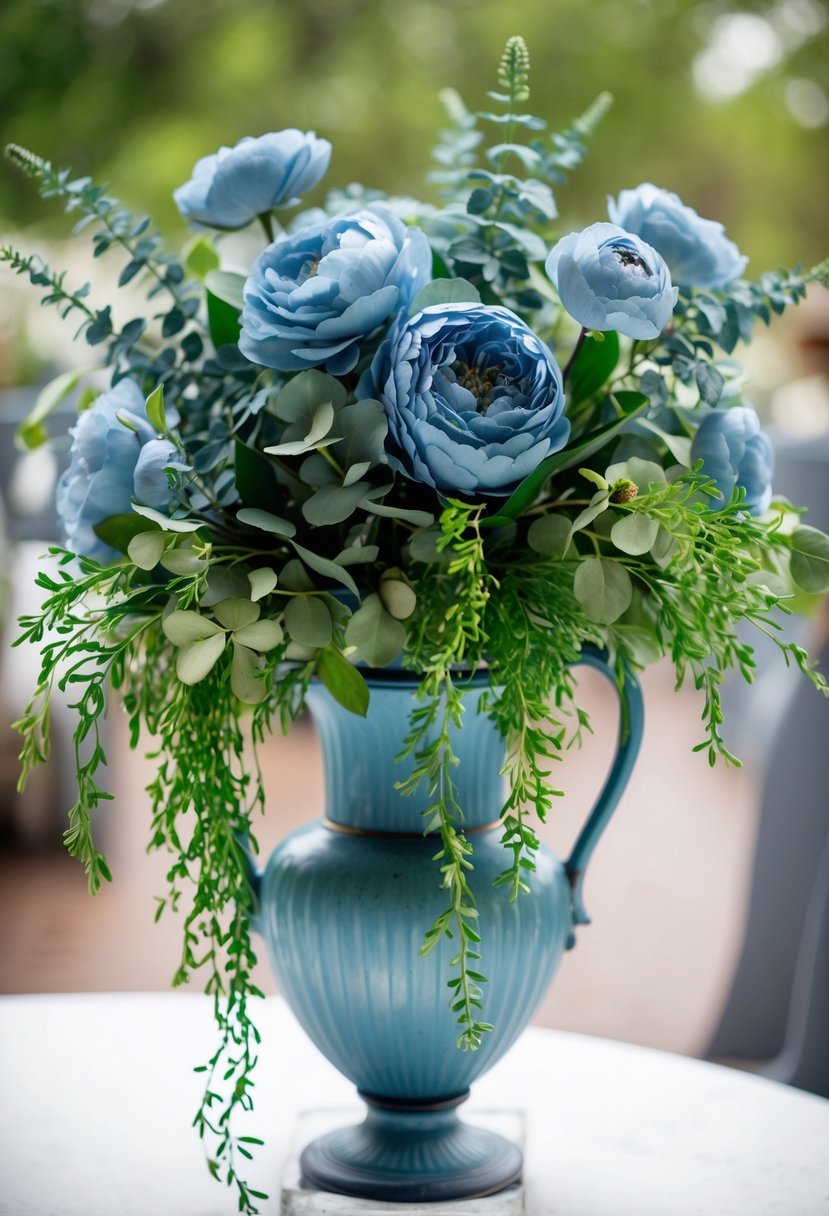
(110, 463)
(474, 399)
(735, 452)
(608, 279)
(697, 251)
(314, 297)
(233, 186)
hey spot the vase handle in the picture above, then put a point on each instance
(631, 727)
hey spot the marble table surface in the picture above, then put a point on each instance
(97, 1094)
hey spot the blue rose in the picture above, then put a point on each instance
(474, 399)
(315, 296)
(608, 279)
(735, 452)
(697, 251)
(110, 463)
(235, 185)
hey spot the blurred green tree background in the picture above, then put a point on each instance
(722, 101)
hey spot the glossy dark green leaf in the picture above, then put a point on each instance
(343, 681)
(592, 367)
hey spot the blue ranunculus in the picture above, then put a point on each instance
(233, 186)
(735, 452)
(608, 279)
(110, 463)
(474, 399)
(697, 251)
(315, 296)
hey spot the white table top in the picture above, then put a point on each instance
(97, 1095)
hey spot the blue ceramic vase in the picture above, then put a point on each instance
(343, 906)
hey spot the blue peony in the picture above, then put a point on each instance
(608, 279)
(474, 399)
(110, 463)
(233, 186)
(735, 452)
(315, 296)
(697, 251)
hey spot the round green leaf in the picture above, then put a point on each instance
(550, 535)
(260, 635)
(603, 589)
(197, 660)
(634, 533)
(810, 559)
(236, 613)
(262, 582)
(398, 598)
(643, 473)
(184, 626)
(183, 560)
(445, 291)
(145, 549)
(375, 633)
(333, 504)
(343, 681)
(245, 679)
(308, 621)
(265, 522)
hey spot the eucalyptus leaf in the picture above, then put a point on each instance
(358, 555)
(31, 433)
(399, 599)
(445, 291)
(119, 530)
(363, 427)
(320, 427)
(634, 533)
(343, 681)
(164, 521)
(598, 503)
(377, 636)
(327, 568)
(155, 409)
(183, 560)
(145, 549)
(262, 582)
(418, 519)
(678, 445)
(227, 286)
(245, 675)
(356, 471)
(259, 635)
(810, 559)
(198, 659)
(253, 517)
(550, 535)
(184, 626)
(664, 547)
(235, 613)
(301, 396)
(308, 621)
(603, 588)
(643, 473)
(333, 504)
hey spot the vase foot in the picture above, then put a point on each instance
(408, 1151)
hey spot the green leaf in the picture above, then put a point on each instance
(643, 473)
(419, 519)
(227, 286)
(31, 432)
(265, 522)
(164, 521)
(678, 445)
(245, 676)
(145, 549)
(256, 478)
(320, 427)
(200, 257)
(592, 367)
(343, 681)
(598, 503)
(302, 396)
(363, 427)
(236, 613)
(710, 383)
(531, 486)
(222, 321)
(259, 635)
(634, 533)
(308, 621)
(262, 582)
(550, 535)
(603, 589)
(358, 555)
(333, 504)
(119, 530)
(183, 560)
(328, 569)
(185, 626)
(445, 291)
(375, 633)
(399, 599)
(155, 410)
(198, 659)
(810, 559)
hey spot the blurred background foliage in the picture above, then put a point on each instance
(722, 100)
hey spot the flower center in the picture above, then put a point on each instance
(311, 267)
(629, 257)
(480, 381)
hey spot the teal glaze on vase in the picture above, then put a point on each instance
(344, 906)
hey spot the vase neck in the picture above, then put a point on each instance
(361, 771)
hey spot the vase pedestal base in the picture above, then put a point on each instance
(448, 1166)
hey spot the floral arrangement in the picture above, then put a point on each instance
(443, 435)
